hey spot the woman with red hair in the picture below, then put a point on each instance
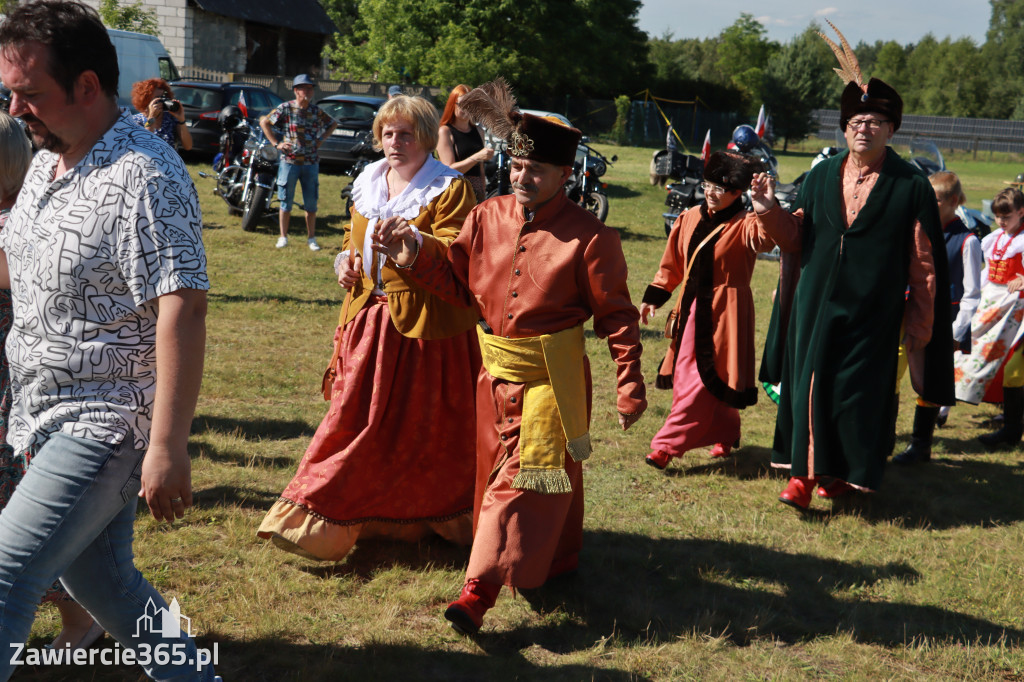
(160, 113)
(460, 143)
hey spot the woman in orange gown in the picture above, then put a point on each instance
(394, 457)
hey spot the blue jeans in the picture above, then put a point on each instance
(307, 175)
(71, 517)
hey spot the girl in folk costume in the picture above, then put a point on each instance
(996, 329)
(710, 362)
(394, 456)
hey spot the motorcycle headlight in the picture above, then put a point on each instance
(597, 166)
(269, 154)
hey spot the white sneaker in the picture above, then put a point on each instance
(313, 246)
(282, 242)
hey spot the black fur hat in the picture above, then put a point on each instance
(880, 98)
(731, 170)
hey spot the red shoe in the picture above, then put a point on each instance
(659, 459)
(798, 492)
(837, 488)
(721, 450)
(467, 612)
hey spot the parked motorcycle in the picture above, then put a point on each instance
(497, 171)
(246, 182)
(365, 154)
(584, 186)
(687, 191)
(786, 192)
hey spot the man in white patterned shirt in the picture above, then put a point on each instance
(104, 257)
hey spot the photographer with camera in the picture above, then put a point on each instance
(160, 112)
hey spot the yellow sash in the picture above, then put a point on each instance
(554, 402)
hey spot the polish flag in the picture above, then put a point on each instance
(705, 151)
(762, 123)
(241, 104)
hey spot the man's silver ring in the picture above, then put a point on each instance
(175, 499)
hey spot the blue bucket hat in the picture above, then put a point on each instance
(303, 79)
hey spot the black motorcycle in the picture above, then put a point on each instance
(686, 192)
(365, 155)
(497, 171)
(584, 186)
(247, 180)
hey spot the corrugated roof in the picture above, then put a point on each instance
(300, 15)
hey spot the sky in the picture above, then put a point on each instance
(905, 21)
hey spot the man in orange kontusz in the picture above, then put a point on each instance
(538, 266)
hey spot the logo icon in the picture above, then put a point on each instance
(166, 622)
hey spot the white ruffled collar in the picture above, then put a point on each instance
(370, 190)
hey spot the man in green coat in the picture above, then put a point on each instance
(866, 268)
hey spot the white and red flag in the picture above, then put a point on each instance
(705, 151)
(762, 123)
(241, 104)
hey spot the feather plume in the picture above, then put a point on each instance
(492, 105)
(850, 71)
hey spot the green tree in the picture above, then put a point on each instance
(583, 47)
(743, 49)
(133, 17)
(1003, 54)
(622, 106)
(798, 79)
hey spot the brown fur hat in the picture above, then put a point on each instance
(731, 170)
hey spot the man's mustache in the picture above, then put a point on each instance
(522, 187)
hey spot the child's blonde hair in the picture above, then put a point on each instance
(947, 186)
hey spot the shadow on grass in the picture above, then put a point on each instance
(279, 660)
(215, 297)
(326, 223)
(734, 590)
(947, 493)
(373, 555)
(253, 429)
(231, 496)
(620, 192)
(628, 235)
(747, 463)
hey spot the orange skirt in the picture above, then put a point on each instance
(394, 456)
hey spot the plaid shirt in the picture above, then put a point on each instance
(302, 128)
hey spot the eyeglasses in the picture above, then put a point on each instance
(873, 124)
(711, 188)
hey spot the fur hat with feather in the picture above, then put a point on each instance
(527, 136)
(873, 97)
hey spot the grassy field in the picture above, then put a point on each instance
(695, 573)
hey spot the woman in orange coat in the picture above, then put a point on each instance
(710, 361)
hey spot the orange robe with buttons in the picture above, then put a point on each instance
(530, 278)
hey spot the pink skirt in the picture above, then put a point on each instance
(697, 418)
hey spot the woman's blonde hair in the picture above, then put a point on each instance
(15, 156)
(414, 110)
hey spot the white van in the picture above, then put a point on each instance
(139, 56)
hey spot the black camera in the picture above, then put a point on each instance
(170, 105)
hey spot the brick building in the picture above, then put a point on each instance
(271, 37)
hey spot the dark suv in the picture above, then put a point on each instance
(203, 100)
(354, 114)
